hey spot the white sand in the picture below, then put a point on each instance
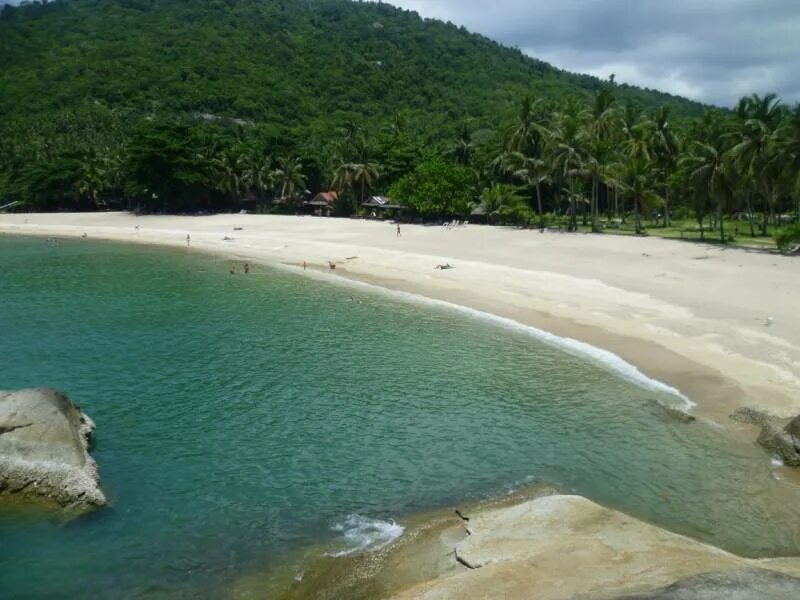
(691, 315)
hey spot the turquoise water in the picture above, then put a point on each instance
(241, 418)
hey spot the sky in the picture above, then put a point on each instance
(714, 51)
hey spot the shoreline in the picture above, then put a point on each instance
(678, 345)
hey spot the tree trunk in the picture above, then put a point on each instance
(722, 226)
(573, 216)
(750, 216)
(539, 206)
(595, 191)
(666, 209)
(702, 229)
(638, 217)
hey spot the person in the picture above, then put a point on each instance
(188, 239)
(232, 270)
(332, 265)
(246, 268)
(398, 231)
(304, 265)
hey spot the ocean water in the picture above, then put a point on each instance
(243, 417)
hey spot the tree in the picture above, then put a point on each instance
(436, 188)
(567, 153)
(464, 148)
(710, 173)
(288, 177)
(758, 119)
(665, 150)
(634, 179)
(229, 169)
(533, 172)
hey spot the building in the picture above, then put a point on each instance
(322, 204)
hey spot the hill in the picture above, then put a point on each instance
(292, 62)
(81, 77)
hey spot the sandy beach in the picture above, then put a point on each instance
(718, 324)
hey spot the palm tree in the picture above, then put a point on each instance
(567, 150)
(634, 180)
(786, 143)
(665, 149)
(710, 172)
(464, 148)
(495, 198)
(528, 132)
(289, 177)
(533, 171)
(229, 167)
(600, 130)
(759, 118)
(363, 175)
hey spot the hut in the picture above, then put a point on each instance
(380, 206)
(322, 203)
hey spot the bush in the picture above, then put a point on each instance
(788, 238)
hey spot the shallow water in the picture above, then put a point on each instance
(241, 418)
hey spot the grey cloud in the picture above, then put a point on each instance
(710, 50)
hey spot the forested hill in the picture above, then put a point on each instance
(311, 64)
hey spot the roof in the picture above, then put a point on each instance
(379, 202)
(325, 197)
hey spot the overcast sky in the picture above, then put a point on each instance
(709, 50)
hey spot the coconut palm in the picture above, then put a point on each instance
(634, 181)
(711, 172)
(464, 148)
(363, 176)
(229, 168)
(288, 177)
(527, 134)
(533, 171)
(567, 150)
(758, 119)
(665, 149)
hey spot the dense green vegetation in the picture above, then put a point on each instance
(218, 105)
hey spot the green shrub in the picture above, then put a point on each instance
(788, 238)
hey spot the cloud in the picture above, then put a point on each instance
(710, 50)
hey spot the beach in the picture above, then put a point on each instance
(718, 324)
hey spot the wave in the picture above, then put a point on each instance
(362, 534)
(598, 356)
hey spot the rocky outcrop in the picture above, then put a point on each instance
(44, 450)
(729, 585)
(779, 437)
(564, 547)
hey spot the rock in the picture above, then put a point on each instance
(780, 438)
(44, 449)
(679, 414)
(742, 584)
(565, 547)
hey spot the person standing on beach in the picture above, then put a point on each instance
(398, 231)
(304, 265)
(188, 240)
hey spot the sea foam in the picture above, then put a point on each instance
(362, 534)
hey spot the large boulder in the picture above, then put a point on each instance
(44, 449)
(779, 437)
(743, 584)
